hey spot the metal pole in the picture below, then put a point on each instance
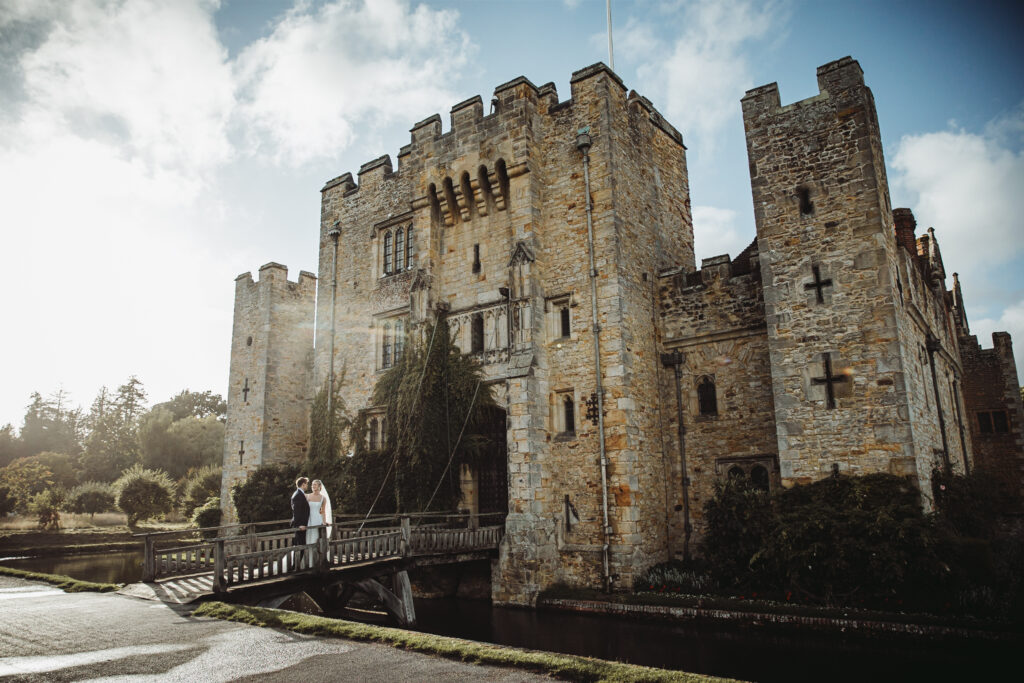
(675, 360)
(583, 142)
(333, 233)
(611, 55)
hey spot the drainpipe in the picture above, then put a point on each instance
(333, 233)
(675, 361)
(583, 144)
(932, 344)
(960, 424)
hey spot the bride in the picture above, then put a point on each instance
(319, 511)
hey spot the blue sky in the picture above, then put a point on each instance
(152, 151)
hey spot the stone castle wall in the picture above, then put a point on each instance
(268, 383)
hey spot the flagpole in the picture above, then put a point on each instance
(611, 55)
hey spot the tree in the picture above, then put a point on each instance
(46, 506)
(10, 445)
(177, 446)
(207, 515)
(195, 404)
(6, 501)
(90, 498)
(263, 497)
(63, 467)
(25, 478)
(329, 421)
(51, 424)
(435, 420)
(202, 485)
(112, 445)
(143, 494)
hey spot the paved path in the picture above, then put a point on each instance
(49, 635)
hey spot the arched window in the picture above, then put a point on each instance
(399, 251)
(707, 398)
(399, 339)
(736, 472)
(373, 433)
(383, 432)
(569, 409)
(564, 321)
(408, 248)
(387, 253)
(759, 477)
(385, 349)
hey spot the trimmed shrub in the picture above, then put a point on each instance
(90, 498)
(207, 515)
(143, 494)
(203, 484)
(264, 496)
(739, 518)
(968, 505)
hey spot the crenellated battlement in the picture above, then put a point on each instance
(834, 79)
(275, 276)
(513, 111)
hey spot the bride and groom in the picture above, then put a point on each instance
(310, 509)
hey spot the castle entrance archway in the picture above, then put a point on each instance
(492, 468)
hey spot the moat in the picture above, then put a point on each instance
(754, 653)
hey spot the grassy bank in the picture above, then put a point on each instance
(564, 667)
(108, 534)
(65, 583)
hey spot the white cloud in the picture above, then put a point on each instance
(699, 77)
(325, 72)
(715, 232)
(968, 187)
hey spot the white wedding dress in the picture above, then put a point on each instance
(316, 518)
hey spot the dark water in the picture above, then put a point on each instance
(752, 653)
(113, 567)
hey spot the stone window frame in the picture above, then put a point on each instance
(991, 423)
(724, 466)
(563, 400)
(705, 380)
(391, 236)
(376, 427)
(386, 327)
(556, 308)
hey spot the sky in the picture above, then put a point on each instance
(151, 151)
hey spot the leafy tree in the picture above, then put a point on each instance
(46, 506)
(63, 467)
(10, 445)
(431, 393)
(739, 519)
(263, 497)
(25, 478)
(195, 404)
(968, 506)
(90, 498)
(178, 446)
(202, 485)
(143, 494)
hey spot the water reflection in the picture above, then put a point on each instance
(113, 567)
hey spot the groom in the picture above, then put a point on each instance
(300, 511)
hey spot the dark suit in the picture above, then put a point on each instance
(300, 515)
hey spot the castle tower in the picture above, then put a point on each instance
(862, 366)
(269, 391)
(498, 211)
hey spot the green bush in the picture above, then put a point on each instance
(90, 498)
(203, 484)
(6, 501)
(207, 515)
(264, 496)
(739, 519)
(143, 494)
(46, 506)
(968, 505)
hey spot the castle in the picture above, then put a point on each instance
(556, 236)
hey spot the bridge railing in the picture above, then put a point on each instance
(245, 555)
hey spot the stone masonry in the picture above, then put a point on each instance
(830, 342)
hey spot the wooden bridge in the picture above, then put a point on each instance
(354, 554)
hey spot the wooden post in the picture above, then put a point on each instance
(474, 521)
(149, 561)
(406, 537)
(321, 550)
(218, 567)
(251, 532)
(403, 588)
